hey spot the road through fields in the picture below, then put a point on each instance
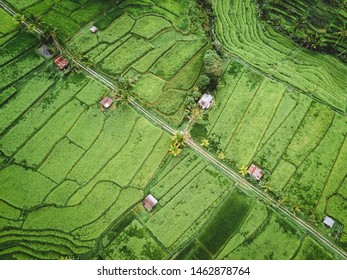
(233, 175)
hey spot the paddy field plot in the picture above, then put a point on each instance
(56, 177)
(319, 76)
(165, 58)
(300, 142)
(242, 228)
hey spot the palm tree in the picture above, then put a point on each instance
(123, 97)
(179, 139)
(205, 143)
(54, 35)
(19, 18)
(243, 170)
(266, 188)
(342, 34)
(297, 23)
(174, 150)
(338, 228)
(221, 156)
(89, 62)
(124, 86)
(31, 28)
(37, 20)
(195, 113)
(296, 208)
(313, 218)
(282, 201)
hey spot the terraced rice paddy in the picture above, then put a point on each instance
(317, 24)
(316, 75)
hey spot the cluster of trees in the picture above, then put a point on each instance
(34, 24)
(208, 80)
(178, 143)
(325, 32)
(212, 70)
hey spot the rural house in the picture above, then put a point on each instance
(149, 202)
(61, 62)
(255, 171)
(93, 29)
(106, 102)
(206, 101)
(329, 221)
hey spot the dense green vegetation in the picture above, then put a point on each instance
(318, 25)
(73, 175)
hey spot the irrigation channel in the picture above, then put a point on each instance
(241, 182)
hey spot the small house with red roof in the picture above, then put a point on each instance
(149, 202)
(61, 62)
(106, 102)
(255, 172)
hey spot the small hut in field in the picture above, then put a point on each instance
(45, 52)
(255, 172)
(106, 102)
(206, 101)
(61, 62)
(329, 221)
(149, 202)
(93, 29)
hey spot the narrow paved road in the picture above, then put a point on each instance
(217, 163)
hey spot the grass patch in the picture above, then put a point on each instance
(193, 252)
(18, 68)
(87, 128)
(23, 188)
(121, 58)
(66, 219)
(55, 97)
(278, 241)
(226, 221)
(62, 158)
(134, 243)
(178, 56)
(149, 87)
(149, 26)
(60, 195)
(55, 129)
(6, 22)
(171, 221)
(311, 250)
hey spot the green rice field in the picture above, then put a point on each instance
(73, 175)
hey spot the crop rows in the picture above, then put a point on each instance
(63, 119)
(302, 19)
(301, 143)
(165, 62)
(242, 228)
(67, 16)
(73, 176)
(316, 75)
